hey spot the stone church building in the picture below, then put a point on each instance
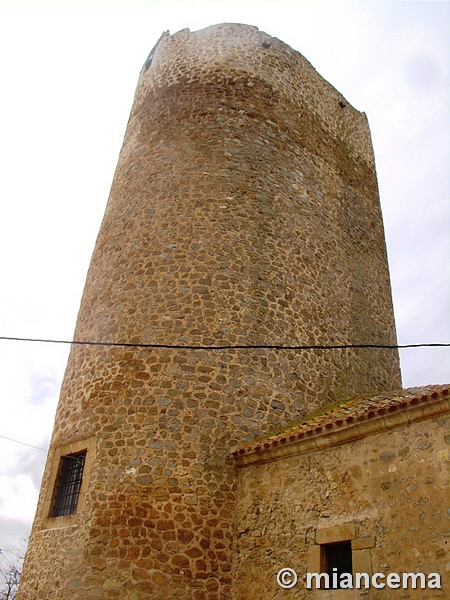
(239, 422)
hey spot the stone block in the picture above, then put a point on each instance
(362, 561)
(337, 533)
(360, 543)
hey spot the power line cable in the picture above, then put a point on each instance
(35, 447)
(229, 346)
(223, 347)
(22, 443)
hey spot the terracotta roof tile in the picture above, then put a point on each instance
(357, 409)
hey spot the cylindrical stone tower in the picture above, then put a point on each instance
(244, 211)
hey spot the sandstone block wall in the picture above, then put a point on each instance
(244, 210)
(388, 493)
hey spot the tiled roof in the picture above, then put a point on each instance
(353, 412)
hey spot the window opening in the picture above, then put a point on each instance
(68, 484)
(336, 559)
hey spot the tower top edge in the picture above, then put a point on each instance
(235, 46)
(228, 32)
(236, 51)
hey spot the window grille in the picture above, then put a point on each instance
(68, 483)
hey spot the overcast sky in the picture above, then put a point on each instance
(68, 75)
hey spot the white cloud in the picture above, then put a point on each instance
(19, 496)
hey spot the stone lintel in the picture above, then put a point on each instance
(336, 533)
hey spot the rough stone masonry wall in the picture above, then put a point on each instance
(388, 493)
(244, 210)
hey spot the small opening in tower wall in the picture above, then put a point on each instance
(149, 61)
(336, 559)
(68, 484)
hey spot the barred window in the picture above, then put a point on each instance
(68, 483)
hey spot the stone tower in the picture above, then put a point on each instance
(244, 211)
